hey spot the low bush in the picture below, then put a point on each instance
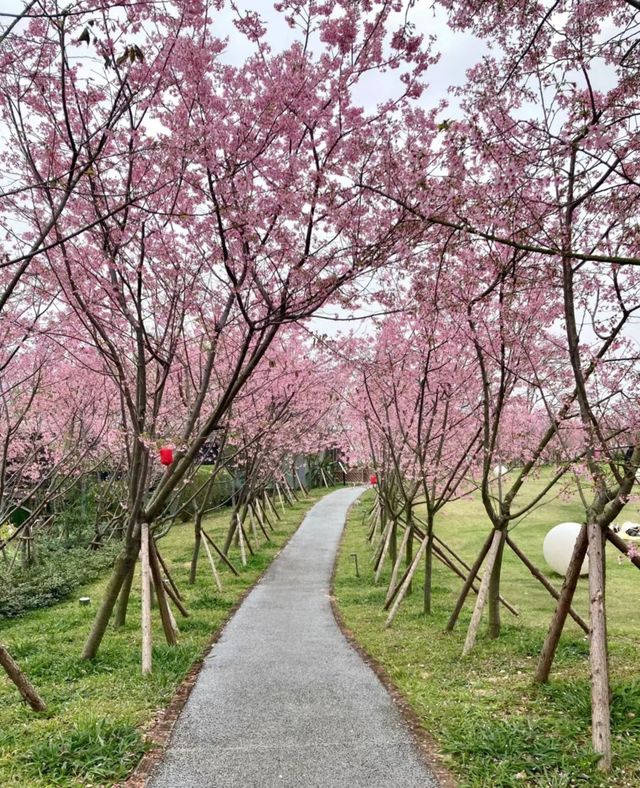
(54, 577)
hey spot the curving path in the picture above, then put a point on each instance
(283, 699)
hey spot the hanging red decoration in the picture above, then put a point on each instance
(373, 479)
(166, 455)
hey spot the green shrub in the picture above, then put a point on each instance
(58, 572)
(218, 495)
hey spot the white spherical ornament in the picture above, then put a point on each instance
(500, 470)
(558, 545)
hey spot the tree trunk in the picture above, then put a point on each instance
(428, 566)
(393, 545)
(562, 608)
(193, 571)
(598, 653)
(25, 688)
(231, 532)
(409, 545)
(125, 564)
(494, 588)
(123, 599)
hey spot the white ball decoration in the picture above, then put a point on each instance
(500, 470)
(558, 545)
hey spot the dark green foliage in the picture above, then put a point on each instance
(210, 497)
(54, 577)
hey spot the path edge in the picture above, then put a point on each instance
(162, 727)
(425, 744)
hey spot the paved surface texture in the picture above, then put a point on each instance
(283, 699)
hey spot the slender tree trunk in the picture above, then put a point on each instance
(562, 608)
(25, 688)
(231, 532)
(393, 544)
(599, 657)
(196, 549)
(409, 546)
(494, 588)
(123, 599)
(125, 564)
(428, 566)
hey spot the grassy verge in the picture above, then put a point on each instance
(92, 733)
(494, 726)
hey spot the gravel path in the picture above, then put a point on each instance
(283, 699)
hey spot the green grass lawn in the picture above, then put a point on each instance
(92, 733)
(493, 725)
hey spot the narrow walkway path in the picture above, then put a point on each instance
(282, 699)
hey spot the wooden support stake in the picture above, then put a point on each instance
(598, 648)
(216, 576)
(146, 600)
(483, 593)
(386, 541)
(166, 571)
(166, 617)
(25, 687)
(543, 580)
(396, 565)
(240, 532)
(469, 582)
(262, 528)
(254, 530)
(280, 497)
(411, 570)
(547, 655)
(177, 602)
(223, 557)
(270, 505)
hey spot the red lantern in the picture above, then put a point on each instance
(373, 479)
(166, 455)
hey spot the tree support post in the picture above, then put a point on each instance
(25, 688)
